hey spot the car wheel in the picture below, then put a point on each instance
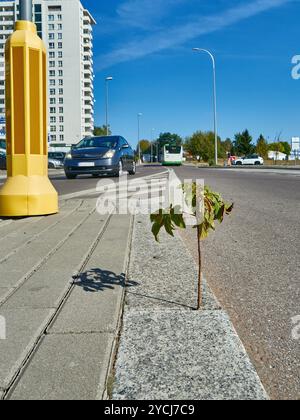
(239, 163)
(120, 171)
(257, 163)
(70, 176)
(51, 166)
(133, 171)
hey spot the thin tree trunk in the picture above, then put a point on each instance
(200, 270)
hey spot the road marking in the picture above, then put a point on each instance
(94, 191)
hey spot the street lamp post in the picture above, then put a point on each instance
(107, 80)
(215, 98)
(152, 131)
(26, 10)
(139, 115)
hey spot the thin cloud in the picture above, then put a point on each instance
(143, 13)
(176, 36)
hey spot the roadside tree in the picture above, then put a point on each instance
(243, 143)
(262, 147)
(202, 144)
(215, 209)
(101, 131)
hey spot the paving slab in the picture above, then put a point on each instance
(100, 287)
(76, 351)
(14, 269)
(23, 327)
(4, 291)
(48, 285)
(18, 238)
(183, 355)
(65, 367)
(12, 226)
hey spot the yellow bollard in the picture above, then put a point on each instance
(28, 190)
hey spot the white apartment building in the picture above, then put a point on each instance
(66, 28)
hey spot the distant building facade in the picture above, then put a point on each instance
(66, 28)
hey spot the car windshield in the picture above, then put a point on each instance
(107, 142)
(56, 155)
(252, 157)
(173, 149)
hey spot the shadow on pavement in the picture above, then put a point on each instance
(97, 280)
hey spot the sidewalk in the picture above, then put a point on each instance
(168, 350)
(61, 289)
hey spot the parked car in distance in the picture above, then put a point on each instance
(56, 160)
(57, 156)
(96, 156)
(55, 164)
(249, 160)
(2, 160)
(3, 146)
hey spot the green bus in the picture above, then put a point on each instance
(172, 155)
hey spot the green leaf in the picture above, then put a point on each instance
(155, 230)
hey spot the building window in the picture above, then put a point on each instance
(51, 26)
(60, 64)
(51, 36)
(52, 73)
(60, 73)
(59, 46)
(61, 82)
(59, 17)
(60, 54)
(61, 101)
(61, 119)
(54, 8)
(38, 17)
(61, 91)
(52, 110)
(53, 138)
(51, 18)
(51, 63)
(61, 137)
(52, 120)
(59, 26)
(52, 82)
(59, 36)
(61, 110)
(52, 101)
(52, 54)
(52, 91)
(51, 45)
(52, 128)
(61, 128)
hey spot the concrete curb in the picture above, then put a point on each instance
(168, 351)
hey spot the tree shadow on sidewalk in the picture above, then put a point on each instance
(97, 280)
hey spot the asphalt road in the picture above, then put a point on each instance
(84, 182)
(252, 263)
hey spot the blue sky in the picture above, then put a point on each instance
(146, 45)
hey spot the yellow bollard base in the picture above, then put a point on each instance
(28, 196)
